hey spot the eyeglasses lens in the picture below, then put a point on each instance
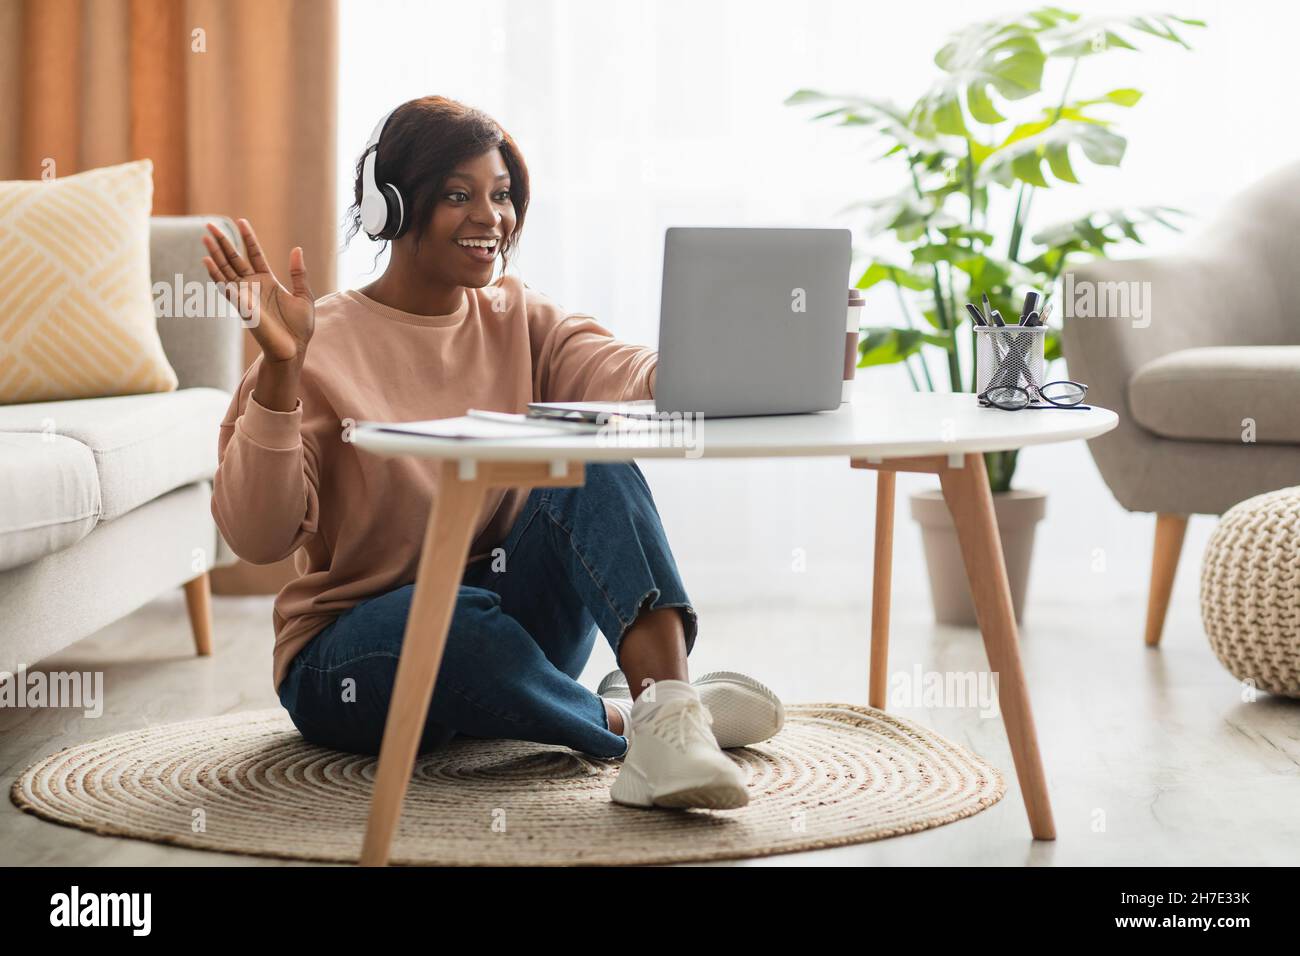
(1007, 397)
(1063, 393)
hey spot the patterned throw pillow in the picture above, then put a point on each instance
(76, 314)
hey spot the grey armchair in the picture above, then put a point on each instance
(1202, 362)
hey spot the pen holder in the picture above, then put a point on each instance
(1010, 355)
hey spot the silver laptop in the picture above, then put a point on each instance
(751, 322)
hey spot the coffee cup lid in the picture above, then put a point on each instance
(856, 297)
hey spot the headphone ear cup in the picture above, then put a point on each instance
(396, 224)
(376, 218)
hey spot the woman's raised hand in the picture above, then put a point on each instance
(280, 319)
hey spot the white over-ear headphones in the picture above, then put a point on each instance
(382, 214)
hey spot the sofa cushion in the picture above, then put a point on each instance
(76, 302)
(1225, 394)
(143, 445)
(49, 495)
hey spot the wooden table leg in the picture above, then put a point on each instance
(437, 584)
(966, 491)
(447, 538)
(881, 582)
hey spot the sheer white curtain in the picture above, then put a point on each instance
(632, 116)
(635, 115)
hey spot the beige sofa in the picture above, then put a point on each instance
(1207, 380)
(105, 503)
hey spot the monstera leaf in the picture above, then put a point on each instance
(878, 271)
(885, 346)
(1088, 36)
(1022, 159)
(986, 58)
(1094, 231)
(878, 115)
(908, 216)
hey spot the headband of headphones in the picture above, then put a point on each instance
(383, 215)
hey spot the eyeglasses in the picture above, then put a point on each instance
(1012, 398)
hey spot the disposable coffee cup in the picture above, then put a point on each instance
(856, 302)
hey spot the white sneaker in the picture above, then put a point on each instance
(672, 758)
(744, 711)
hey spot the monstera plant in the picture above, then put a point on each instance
(991, 123)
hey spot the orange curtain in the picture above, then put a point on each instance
(235, 101)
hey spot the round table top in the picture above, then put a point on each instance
(873, 425)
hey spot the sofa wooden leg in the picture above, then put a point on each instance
(198, 599)
(1170, 530)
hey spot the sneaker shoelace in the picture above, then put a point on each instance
(675, 719)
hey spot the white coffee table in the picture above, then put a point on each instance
(942, 434)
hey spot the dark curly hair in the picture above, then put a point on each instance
(424, 141)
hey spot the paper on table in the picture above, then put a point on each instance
(466, 427)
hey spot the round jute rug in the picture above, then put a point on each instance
(248, 783)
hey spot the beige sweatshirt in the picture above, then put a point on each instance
(287, 481)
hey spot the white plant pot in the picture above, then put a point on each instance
(1018, 513)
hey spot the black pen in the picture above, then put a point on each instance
(976, 315)
(1031, 305)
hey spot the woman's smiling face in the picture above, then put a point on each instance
(472, 218)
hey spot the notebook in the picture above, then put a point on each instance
(467, 427)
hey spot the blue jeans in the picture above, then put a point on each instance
(577, 559)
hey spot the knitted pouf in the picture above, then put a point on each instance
(1250, 591)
